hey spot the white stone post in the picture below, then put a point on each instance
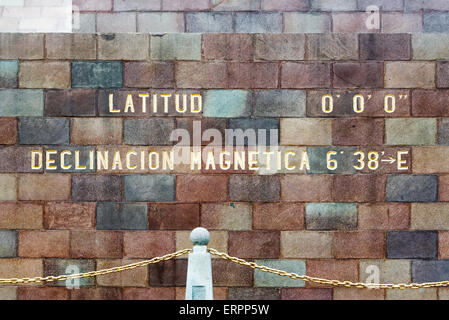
(199, 268)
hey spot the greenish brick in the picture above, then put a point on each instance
(21, 102)
(253, 22)
(411, 131)
(436, 22)
(265, 279)
(280, 103)
(344, 157)
(331, 216)
(44, 131)
(427, 46)
(295, 22)
(150, 187)
(176, 46)
(8, 243)
(69, 266)
(207, 22)
(412, 188)
(97, 74)
(227, 103)
(8, 73)
(122, 216)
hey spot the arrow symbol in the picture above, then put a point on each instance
(390, 160)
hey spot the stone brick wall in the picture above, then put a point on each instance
(326, 223)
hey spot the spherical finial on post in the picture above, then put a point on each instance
(200, 236)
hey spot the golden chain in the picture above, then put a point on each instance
(336, 283)
(95, 273)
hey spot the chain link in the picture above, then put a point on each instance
(173, 255)
(335, 283)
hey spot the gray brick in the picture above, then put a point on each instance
(332, 46)
(344, 157)
(70, 159)
(122, 216)
(252, 22)
(96, 188)
(207, 22)
(8, 243)
(280, 103)
(279, 46)
(59, 266)
(430, 271)
(264, 279)
(87, 23)
(418, 5)
(331, 216)
(9, 70)
(412, 244)
(412, 188)
(254, 188)
(160, 22)
(182, 46)
(436, 22)
(384, 5)
(98, 74)
(152, 131)
(121, 22)
(21, 102)
(151, 187)
(443, 131)
(254, 124)
(44, 131)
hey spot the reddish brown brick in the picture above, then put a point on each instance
(201, 188)
(278, 216)
(358, 75)
(384, 216)
(96, 244)
(96, 294)
(253, 75)
(18, 215)
(430, 103)
(227, 274)
(148, 293)
(306, 294)
(8, 130)
(168, 273)
(443, 187)
(228, 47)
(42, 293)
(359, 244)
(226, 216)
(385, 46)
(443, 74)
(443, 244)
(149, 74)
(50, 244)
(191, 74)
(92, 131)
(358, 132)
(69, 215)
(147, 244)
(305, 75)
(70, 103)
(17, 159)
(254, 244)
(358, 188)
(44, 187)
(345, 270)
(316, 188)
(137, 277)
(348, 22)
(358, 294)
(174, 216)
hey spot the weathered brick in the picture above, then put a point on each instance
(147, 244)
(417, 5)
(306, 131)
(71, 46)
(227, 103)
(38, 243)
(430, 46)
(359, 244)
(401, 22)
(358, 294)
(8, 243)
(70, 103)
(318, 164)
(180, 5)
(443, 187)
(160, 22)
(8, 130)
(430, 271)
(412, 188)
(330, 46)
(254, 22)
(226, 216)
(374, 46)
(213, 22)
(8, 293)
(289, 216)
(9, 70)
(18, 215)
(98, 74)
(96, 294)
(137, 5)
(154, 187)
(358, 188)
(176, 47)
(68, 215)
(336, 5)
(149, 294)
(403, 74)
(346, 22)
(8, 187)
(256, 124)
(296, 22)
(149, 74)
(15, 268)
(43, 131)
(436, 22)
(21, 102)
(305, 188)
(443, 244)
(279, 47)
(430, 160)
(91, 131)
(421, 294)
(121, 22)
(443, 74)
(201, 188)
(231, 275)
(331, 216)
(174, 216)
(431, 103)
(345, 270)
(228, 47)
(412, 244)
(131, 278)
(54, 267)
(123, 47)
(306, 294)
(306, 244)
(254, 188)
(410, 131)
(235, 5)
(207, 75)
(305, 75)
(218, 240)
(252, 75)
(280, 103)
(254, 244)
(87, 23)
(17, 159)
(254, 294)
(383, 216)
(42, 293)
(358, 75)
(358, 131)
(429, 216)
(285, 5)
(152, 131)
(96, 244)
(385, 5)
(86, 5)
(122, 216)
(264, 279)
(96, 188)
(390, 271)
(21, 46)
(38, 74)
(43, 187)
